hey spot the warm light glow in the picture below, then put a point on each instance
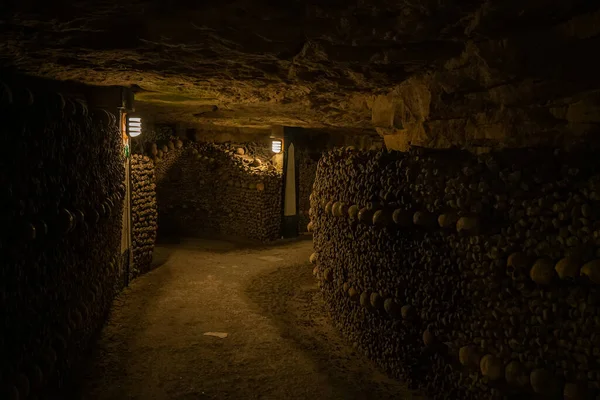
(134, 126)
(276, 146)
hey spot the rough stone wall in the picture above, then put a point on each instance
(144, 213)
(474, 72)
(218, 189)
(523, 78)
(62, 182)
(469, 277)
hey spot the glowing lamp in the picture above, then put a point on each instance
(276, 146)
(134, 126)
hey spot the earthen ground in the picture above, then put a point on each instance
(280, 344)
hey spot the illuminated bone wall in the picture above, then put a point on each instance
(471, 277)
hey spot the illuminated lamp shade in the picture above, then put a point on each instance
(134, 126)
(276, 146)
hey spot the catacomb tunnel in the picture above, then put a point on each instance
(305, 200)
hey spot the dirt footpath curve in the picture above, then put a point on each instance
(279, 343)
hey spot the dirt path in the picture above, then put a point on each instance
(279, 343)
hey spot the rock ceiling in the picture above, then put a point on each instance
(327, 63)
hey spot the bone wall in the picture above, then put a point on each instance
(218, 189)
(468, 277)
(62, 182)
(144, 213)
(310, 144)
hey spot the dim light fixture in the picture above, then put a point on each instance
(276, 146)
(134, 126)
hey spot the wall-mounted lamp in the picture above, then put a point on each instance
(134, 126)
(276, 146)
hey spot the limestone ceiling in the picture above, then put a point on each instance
(256, 62)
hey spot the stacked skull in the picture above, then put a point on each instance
(469, 277)
(62, 212)
(143, 213)
(226, 189)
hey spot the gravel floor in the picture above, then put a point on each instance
(279, 343)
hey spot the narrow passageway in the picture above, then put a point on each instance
(279, 343)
